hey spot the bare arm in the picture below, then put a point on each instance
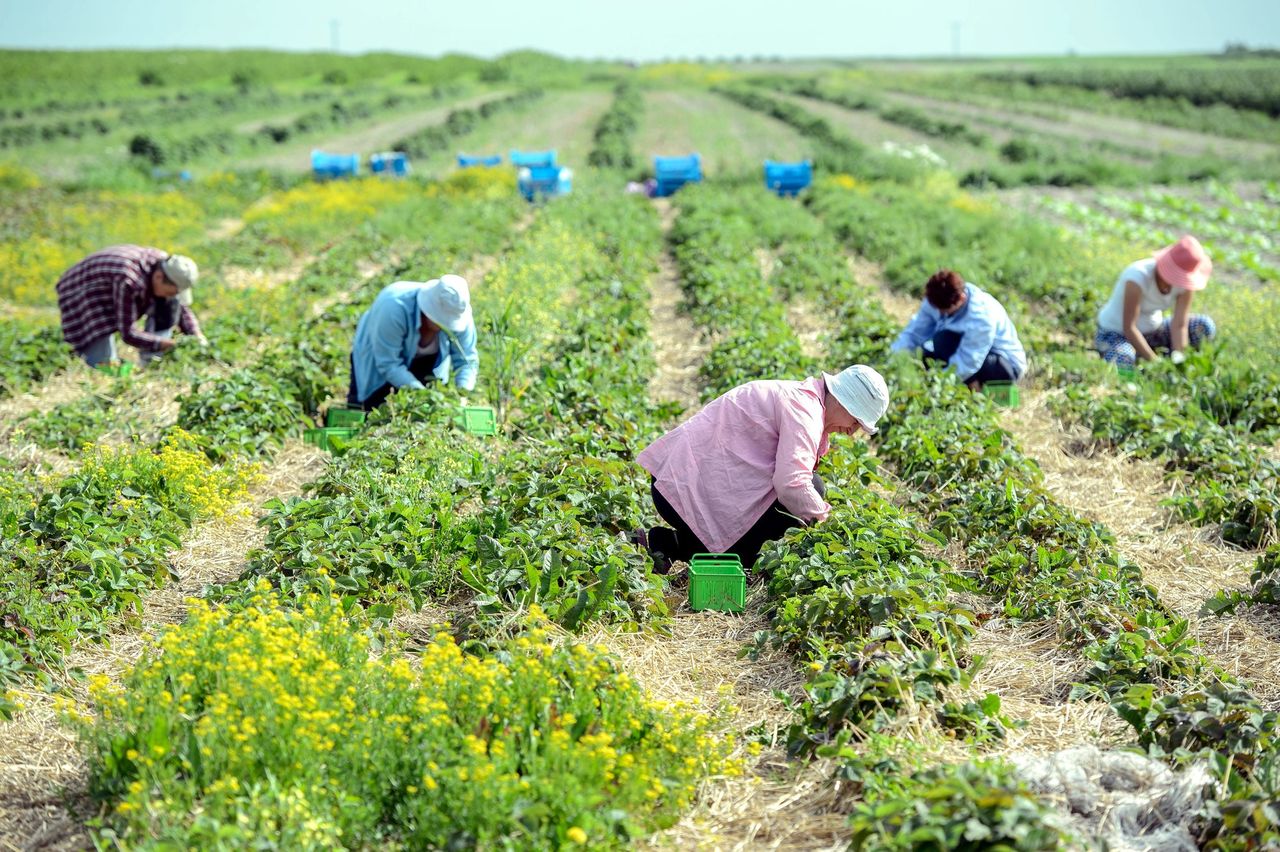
(1132, 299)
(1179, 335)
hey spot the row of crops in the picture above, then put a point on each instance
(1238, 233)
(292, 704)
(1025, 156)
(497, 729)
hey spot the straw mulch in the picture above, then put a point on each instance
(1185, 564)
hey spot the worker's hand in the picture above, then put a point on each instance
(204, 341)
(1177, 356)
(167, 343)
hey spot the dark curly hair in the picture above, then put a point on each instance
(944, 289)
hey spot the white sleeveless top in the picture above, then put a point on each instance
(1152, 306)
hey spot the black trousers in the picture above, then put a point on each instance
(996, 368)
(421, 368)
(679, 543)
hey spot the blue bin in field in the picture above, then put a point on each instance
(533, 159)
(467, 161)
(328, 166)
(674, 172)
(544, 181)
(394, 163)
(787, 179)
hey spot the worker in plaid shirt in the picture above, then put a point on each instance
(110, 290)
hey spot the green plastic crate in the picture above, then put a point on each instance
(344, 417)
(478, 420)
(1002, 393)
(124, 368)
(716, 581)
(323, 437)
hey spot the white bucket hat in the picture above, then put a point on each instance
(182, 271)
(447, 302)
(862, 392)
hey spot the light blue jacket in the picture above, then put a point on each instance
(983, 322)
(387, 342)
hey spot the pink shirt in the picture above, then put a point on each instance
(722, 469)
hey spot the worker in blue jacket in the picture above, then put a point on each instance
(414, 330)
(964, 327)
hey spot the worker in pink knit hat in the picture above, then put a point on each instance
(1132, 324)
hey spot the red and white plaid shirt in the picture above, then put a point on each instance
(107, 292)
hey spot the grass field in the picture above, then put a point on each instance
(1015, 621)
(731, 140)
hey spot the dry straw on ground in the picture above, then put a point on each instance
(1186, 565)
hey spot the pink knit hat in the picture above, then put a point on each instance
(1185, 264)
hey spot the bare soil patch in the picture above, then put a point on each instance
(679, 347)
(900, 308)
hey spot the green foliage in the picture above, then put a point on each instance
(85, 551)
(1251, 85)
(837, 152)
(460, 122)
(614, 132)
(969, 806)
(260, 723)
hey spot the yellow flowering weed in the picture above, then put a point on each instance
(279, 723)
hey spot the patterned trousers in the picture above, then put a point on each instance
(1116, 348)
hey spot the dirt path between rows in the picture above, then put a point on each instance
(777, 803)
(678, 346)
(900, 308)
(1184, 564)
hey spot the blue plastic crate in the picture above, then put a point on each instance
(533, 159)
(467, 160)
(544, 182)
(330, 166)
(672, 173)
(787, 179)
(389, 163)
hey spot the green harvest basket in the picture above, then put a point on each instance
(1129, 374)
(478, 420)
(124, 368)
(323, 437)
(716, 581)
(1002, 393)
(344, 417)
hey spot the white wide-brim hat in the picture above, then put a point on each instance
(862, 392)
(447, 302)
(183, 272)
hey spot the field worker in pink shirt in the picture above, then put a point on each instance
(741, 471)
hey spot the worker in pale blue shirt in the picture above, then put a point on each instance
(413, 330)
(964, 326)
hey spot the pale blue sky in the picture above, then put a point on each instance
(651, 29)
